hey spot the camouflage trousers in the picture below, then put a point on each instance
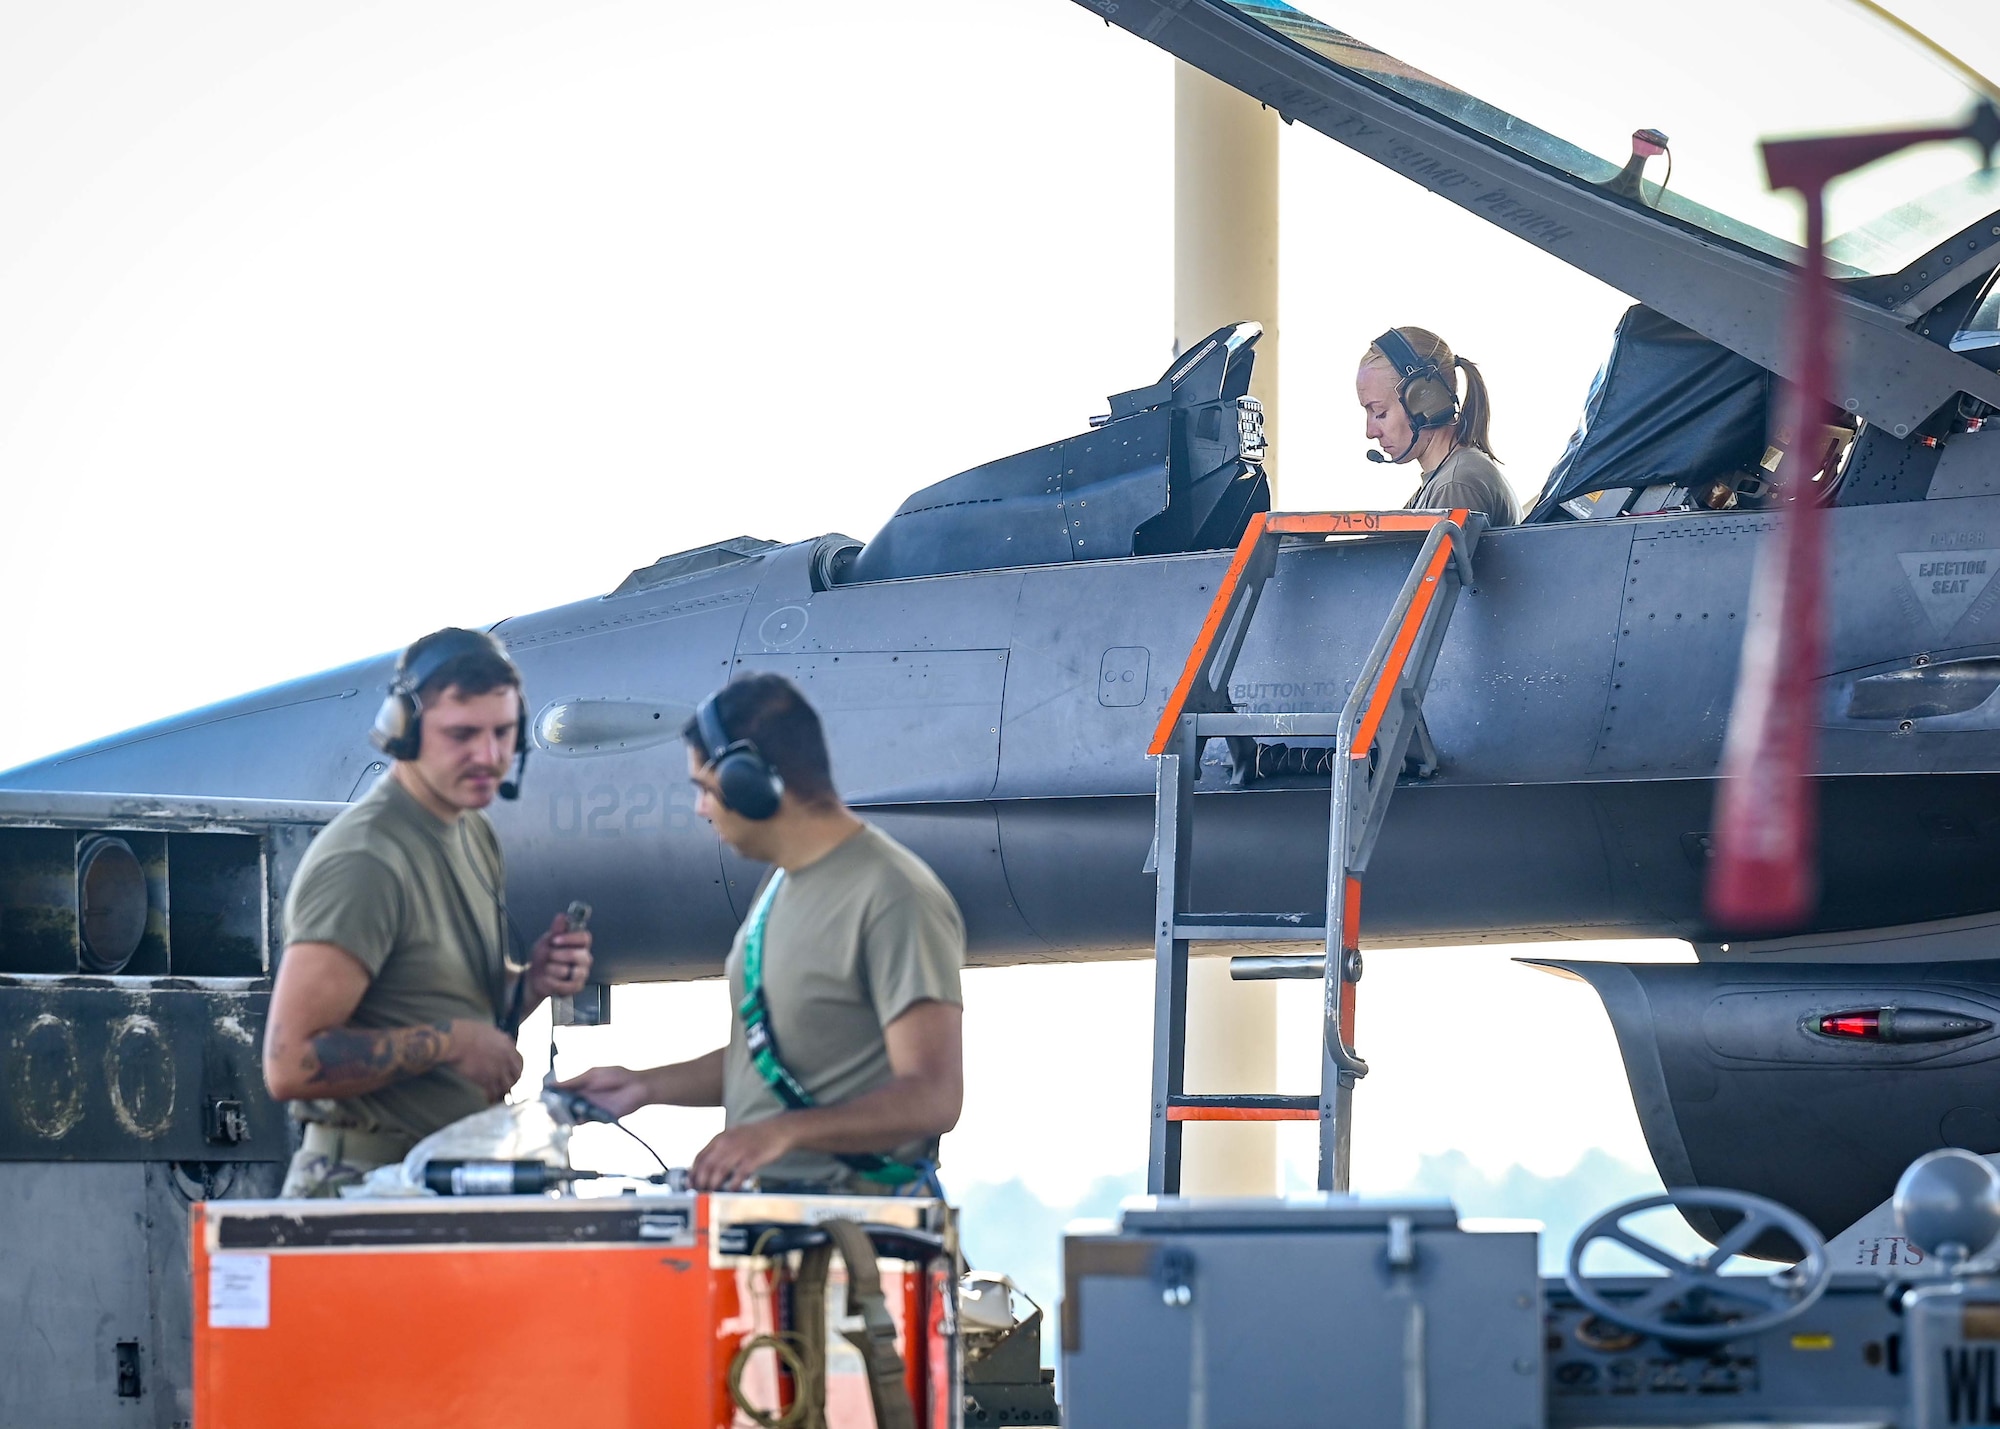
(333, 1156)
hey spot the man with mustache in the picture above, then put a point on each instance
(386, 1016)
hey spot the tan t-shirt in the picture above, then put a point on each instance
(1469, 478)
(852, 941)
(414, 899)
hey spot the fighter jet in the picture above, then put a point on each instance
(992, 663)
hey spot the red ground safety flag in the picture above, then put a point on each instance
(1763, 876)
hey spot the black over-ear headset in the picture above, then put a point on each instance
(399, 723)
(745, 778)
(1427, 392)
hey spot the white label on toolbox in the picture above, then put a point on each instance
(674, 1227)
(239, 1292)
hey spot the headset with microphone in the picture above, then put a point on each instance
(399, 723)
(745, 779)
(1428, 395)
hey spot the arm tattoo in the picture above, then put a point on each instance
(348, 1054)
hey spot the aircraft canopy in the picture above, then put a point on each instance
(1565, 86)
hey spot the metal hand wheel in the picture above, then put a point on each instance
(1697, 1286)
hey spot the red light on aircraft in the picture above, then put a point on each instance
(1851, 1024)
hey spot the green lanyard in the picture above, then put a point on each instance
(763, 1043)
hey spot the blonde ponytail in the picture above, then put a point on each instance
(1475, 408)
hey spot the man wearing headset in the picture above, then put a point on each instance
(843, 1066)
(386, 1015)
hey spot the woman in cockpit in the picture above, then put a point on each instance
(1408, 386)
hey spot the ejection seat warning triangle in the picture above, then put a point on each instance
(239, 1292)
(1946, 583)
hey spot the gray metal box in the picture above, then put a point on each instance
(1240, 1314)
(1954, 1334)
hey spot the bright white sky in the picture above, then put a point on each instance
(1468, 1051)
(321, 327)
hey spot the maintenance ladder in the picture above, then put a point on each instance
(1379, 729)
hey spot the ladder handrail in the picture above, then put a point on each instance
(1360, 717)
(1391, 652)
(1378, 728)
(1274, 524)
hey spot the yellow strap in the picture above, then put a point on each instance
(1903, 27)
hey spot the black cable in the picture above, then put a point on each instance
(511, 943)
(664, 1171)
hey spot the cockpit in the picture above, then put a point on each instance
(1525, 115)
(1672, 422)
(1176, 465)
(1675, 422)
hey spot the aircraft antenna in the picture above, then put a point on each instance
(1910, 32)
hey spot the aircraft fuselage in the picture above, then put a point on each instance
(997, 722)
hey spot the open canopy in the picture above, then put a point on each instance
(1523, 115)
(1566, 85)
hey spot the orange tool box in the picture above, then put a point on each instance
(615, 1312)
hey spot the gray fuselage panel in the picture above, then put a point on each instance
(998, 722)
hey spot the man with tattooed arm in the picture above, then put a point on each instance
(385, 1016)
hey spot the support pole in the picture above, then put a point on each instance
(1226, 270)
(1226, 226)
